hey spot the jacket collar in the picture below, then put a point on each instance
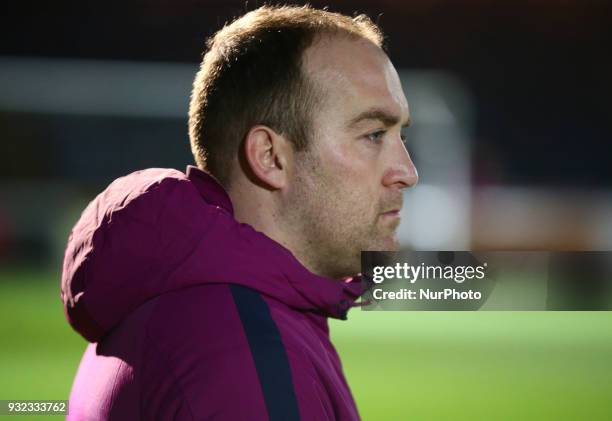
(210, 189)
(327, 296)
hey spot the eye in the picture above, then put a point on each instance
(376, 137)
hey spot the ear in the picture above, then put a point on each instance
(268, 155)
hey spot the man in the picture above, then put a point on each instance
(206, 295)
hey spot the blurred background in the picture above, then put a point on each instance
(511, 136)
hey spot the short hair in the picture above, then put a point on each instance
(252, 74)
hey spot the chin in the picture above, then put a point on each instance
(389, 243)
(393, 244)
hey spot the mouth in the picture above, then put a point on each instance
(394, 213)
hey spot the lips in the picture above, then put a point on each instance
(394, 212)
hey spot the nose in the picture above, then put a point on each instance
(401, 172)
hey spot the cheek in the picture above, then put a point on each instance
(346, 161)
(350, 203)
(343, 175)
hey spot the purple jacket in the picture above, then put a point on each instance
(194, 316)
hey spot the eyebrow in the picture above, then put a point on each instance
(388, 119)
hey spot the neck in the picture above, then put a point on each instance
(261, 209)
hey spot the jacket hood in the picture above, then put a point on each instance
(160, 230)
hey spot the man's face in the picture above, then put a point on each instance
(345, 194)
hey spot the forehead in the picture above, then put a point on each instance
(355, 75)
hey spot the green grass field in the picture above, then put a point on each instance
(400, 365)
